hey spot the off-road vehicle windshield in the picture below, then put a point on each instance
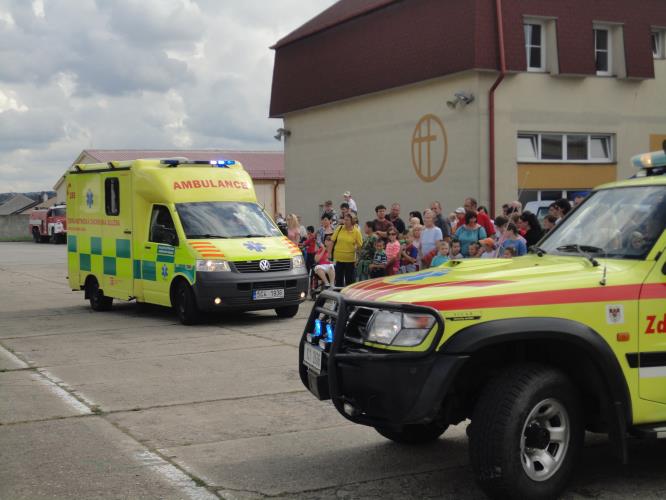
(620, 223)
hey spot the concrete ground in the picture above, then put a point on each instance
(130, 404)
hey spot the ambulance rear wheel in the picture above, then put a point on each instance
(286, 311)
(98, 301)
(185, 304)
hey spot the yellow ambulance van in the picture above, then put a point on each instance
(178, 233)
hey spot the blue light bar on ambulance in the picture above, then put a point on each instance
(650, 160)
(174, 162)
(222, 163)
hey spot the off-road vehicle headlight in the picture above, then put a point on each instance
(398, 329)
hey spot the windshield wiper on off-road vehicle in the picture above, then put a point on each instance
(582, 251)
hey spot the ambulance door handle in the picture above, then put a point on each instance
(127, 231)
(148, 247)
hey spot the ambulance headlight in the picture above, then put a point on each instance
(297, 262)
(212, 266)
(398, 329)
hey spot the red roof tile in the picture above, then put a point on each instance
(259, 164)
(342, 11)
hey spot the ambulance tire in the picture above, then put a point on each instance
(415, 434)
(185, 304)
(515, 451)
(286, 311)
(98, 301)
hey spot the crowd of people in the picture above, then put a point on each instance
(342, 251)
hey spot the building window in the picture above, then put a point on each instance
(535, 46)
(602, 51)
(572, 148)
(658, 44)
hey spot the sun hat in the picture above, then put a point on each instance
(460, 210)
(346, 193)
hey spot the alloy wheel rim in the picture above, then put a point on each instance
(544, 440)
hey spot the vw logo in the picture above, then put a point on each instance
(264, 265)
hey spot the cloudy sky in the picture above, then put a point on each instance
(107, 74)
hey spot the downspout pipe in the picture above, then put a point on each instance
(491, 104)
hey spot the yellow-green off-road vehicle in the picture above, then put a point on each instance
(533, 350)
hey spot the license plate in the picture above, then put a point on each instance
(312, 357)
(276, 293)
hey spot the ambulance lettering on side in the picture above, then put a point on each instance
(534, 350)
(175, 232)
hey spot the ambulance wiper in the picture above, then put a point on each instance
(251, 236)
(582, 250)
(205, 236)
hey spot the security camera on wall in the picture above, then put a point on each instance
(461, 97)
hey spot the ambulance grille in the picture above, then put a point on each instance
(252, 266)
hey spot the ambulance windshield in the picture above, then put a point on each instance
(621, 223)
(225, 219)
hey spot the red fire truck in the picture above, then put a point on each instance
(48, 224)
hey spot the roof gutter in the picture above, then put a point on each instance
(491, 104)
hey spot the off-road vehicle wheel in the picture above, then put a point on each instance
(98, 301)
(185, 304)
(526, 433)
(414, 434)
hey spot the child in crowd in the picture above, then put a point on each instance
(442, 254)
(509, 253)
(378, 266)
(474, 250)
(409, 255)
(487, 248)
(455, 249)
(310, 247)
(392, 252)
(325, 269)
(549, 222)
(367, 252)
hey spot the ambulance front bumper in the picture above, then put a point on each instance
(218, 291)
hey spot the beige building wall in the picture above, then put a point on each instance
(365, 144)
(267, 191)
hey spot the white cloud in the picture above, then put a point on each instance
(38, 8)
(135, 74)
(8, 102)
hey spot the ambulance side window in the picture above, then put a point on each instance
(112, 196)
(162, 229)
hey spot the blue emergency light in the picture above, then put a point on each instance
(317, 330)
(222, 163)
(329, 333)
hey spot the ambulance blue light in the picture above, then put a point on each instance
(650, 160)
(223, 163)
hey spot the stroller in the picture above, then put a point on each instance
(316, 285)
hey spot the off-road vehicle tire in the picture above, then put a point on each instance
(526, 433)
(414, 434)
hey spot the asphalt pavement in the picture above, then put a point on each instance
(131, 404)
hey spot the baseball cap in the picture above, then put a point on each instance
(488, 241)
(460, 210)
(346, 193)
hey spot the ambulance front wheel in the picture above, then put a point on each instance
(286, 311)
(98, 301)
(185, 303)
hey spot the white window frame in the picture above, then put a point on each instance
(542, 47)
(659, 45)
(563, 137)
(609, 51)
